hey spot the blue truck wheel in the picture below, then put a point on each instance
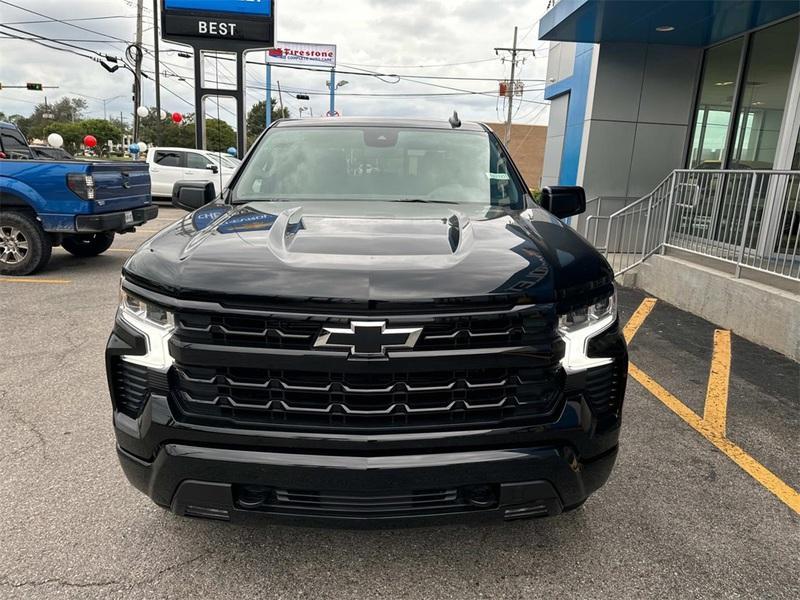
(24, 246)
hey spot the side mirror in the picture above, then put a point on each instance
(564, 201)
(213, 168)
(191, 195)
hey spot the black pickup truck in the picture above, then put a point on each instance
(374, 323)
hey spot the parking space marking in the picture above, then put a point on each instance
(122, 250)
(27, 280)
(638, 318)
(716, 407)
(718, 380)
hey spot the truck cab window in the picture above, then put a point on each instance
(14, 145)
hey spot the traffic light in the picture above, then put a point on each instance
(303, 97)
(34, 87)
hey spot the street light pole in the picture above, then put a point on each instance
(333, 93)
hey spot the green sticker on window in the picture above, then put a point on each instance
(498, 176)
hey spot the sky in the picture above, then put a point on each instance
(431, 38)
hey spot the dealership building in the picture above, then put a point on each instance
(681, 120)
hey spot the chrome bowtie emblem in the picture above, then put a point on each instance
(368, 339)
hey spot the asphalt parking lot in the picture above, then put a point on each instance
(703, 502)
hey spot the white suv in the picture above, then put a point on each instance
(170, 165)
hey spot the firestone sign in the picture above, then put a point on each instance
(293, 53)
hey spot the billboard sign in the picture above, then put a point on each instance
(262, 8)
(293, 53)
(219, 24)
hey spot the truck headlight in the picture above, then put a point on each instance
(156, 324)
(579, 326)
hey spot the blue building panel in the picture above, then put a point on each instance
(688, 23)
(577, 86)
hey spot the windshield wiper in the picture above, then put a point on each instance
(423, 201)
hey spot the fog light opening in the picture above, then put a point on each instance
(480, 496)
(252, 497)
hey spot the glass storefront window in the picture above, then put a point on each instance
(715, 104)
(764, 92)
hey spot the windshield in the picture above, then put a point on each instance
(377, 163)
(223, 161)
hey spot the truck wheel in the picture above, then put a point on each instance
(24, 246)
(90, 244)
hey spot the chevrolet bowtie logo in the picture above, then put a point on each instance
(368, 339)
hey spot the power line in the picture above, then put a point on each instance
(36, 37)
(65, 22)
(36, 41)
(469, 62)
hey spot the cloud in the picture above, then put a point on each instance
(377, 35)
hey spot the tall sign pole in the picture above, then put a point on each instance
(156, 56)
(513, 84)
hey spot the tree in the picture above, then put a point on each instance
(66, 110)
(257, 118)
(73, 133)
(169, 134)
(219, 135)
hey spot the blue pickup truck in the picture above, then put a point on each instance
(77, 205)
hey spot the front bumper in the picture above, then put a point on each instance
(115, 221)
(526, 482)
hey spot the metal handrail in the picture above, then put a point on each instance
(750, 218)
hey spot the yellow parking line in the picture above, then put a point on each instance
(639, 317)
(750, 465)
(713, 426)
(27, 280)
(716, 408)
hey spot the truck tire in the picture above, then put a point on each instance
(24, 246)
(90, 244)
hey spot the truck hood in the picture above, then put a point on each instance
(365, 251)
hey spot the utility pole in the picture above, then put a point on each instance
(280, 98)
(512, 85)
(269, 92)
(137, 83)
(156, 56)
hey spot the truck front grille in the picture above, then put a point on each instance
(258, 397)
(529, 327)
(256, 369)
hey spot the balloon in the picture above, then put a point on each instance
(177, 117)
(90, 141)
(142, 147)
(164, 115)
(133, 148)
(143, 112)
(232, 151)
(55, 140)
